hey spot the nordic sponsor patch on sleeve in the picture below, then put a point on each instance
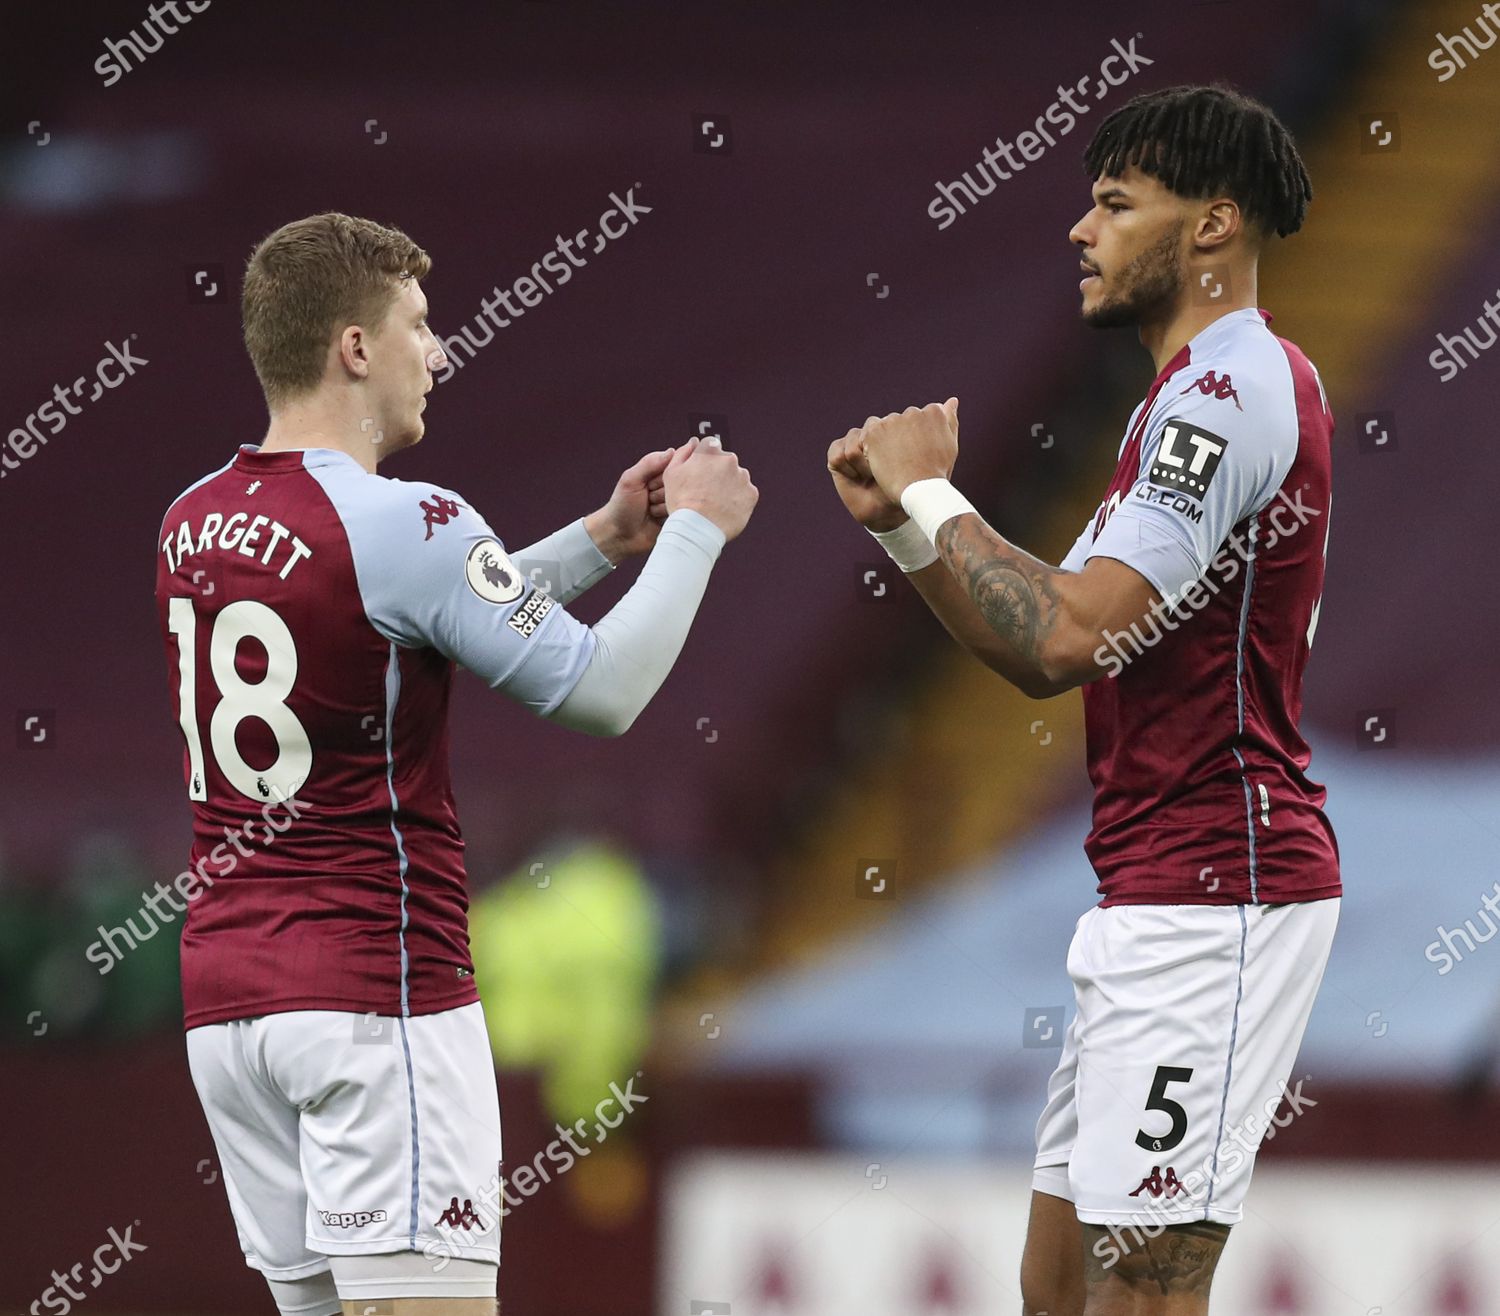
(1187, 458)
(491, 574)
(525, 619)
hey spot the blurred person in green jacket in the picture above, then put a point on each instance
(567, 951)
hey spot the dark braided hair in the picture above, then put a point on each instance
(1208, 141)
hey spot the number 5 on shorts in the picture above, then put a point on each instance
(1158, 1100)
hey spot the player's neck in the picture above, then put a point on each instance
(1167, 337)
(295, 428)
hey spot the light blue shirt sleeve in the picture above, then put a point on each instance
(442, 578)
(1207, 463)
(563, 564)
(1078, 555)
(639, 640)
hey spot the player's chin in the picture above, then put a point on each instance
(1107, 314)
(408, 437)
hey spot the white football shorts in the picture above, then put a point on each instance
(1179, 1054)
(344, 1135)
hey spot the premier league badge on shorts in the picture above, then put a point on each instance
(491, 574)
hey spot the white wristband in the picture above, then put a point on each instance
(931, 502)
(909, 548)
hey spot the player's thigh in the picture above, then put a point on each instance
(1165, 1273)
(1052, 1261)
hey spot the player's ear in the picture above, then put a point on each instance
(1218, 221)
(354, 351)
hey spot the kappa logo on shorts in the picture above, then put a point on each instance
(1186, 458)
(525, 619)
(1159, 1184)
(456, 1217)
(352, 1219)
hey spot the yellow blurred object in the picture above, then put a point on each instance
(567, 951)
(608, 1188)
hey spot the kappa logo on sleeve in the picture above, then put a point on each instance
(525, 619)
(1215, 386)
(437, 510)
(1187, 459)
(491, 574)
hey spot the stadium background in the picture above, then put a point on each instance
(841, 1083)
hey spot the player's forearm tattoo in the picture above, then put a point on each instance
(1015, 593)
(1180, 1260)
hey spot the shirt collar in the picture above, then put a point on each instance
(1195, 346)
(291, 458)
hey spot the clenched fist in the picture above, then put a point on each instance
(920, 443)
(706, 478)
(866, 502)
